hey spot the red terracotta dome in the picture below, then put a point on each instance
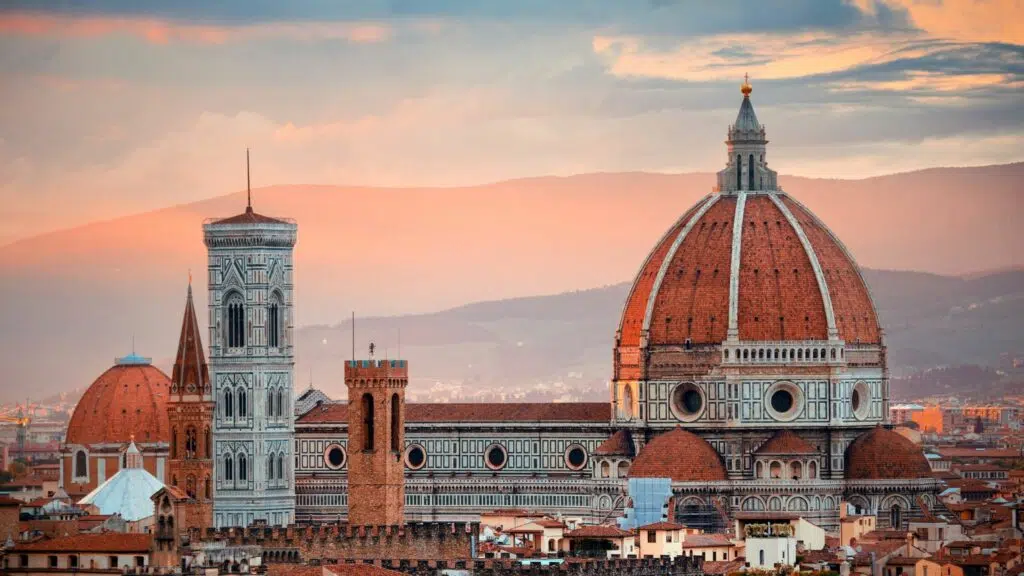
(129, 399)
(881, 454)
(683, 290)
(680, 455)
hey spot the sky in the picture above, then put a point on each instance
(113, 107)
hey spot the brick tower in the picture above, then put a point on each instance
(190, 414)
(376, 436)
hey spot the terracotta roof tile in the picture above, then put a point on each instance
(126, 400)
(786, 442)
(680, 455)
(706, 541)
(851, 299)
(618, 444)
(471, 412)
(662, 526)
(883, 454)
(104, 542)
(598, 532)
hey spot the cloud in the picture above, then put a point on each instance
(962, 20)
(157, 31)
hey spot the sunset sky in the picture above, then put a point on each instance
(112, 107)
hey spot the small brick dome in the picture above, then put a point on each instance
(680, 455)
(129, 399)
(881, 454)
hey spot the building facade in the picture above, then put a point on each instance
(251, 367)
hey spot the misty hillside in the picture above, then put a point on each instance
(74, 299)
(930, 320)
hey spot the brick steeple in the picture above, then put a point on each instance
(190, 412)
(191, 374)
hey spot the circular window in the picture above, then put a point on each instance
(334, 456)
(687, 402)
(575, 457)
(495, 457)
(415, 457)
(784, 401)
(860, 400)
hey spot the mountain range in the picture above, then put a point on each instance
(76, 298)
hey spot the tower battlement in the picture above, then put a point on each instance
(365, 369)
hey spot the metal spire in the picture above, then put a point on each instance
(248, 184)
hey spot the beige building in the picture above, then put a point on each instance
(660, 539)
(711, 547)
(79, 553)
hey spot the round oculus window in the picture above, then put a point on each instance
(334, 456)
(687, 401)
(784, 401)
(415, 457)
(495, 457)
(575, 457)
(860, 400)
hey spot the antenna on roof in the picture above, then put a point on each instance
(248, 184)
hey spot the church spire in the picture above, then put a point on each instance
(746, 168)
(190, 375)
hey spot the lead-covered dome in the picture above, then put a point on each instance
(127, 401)
(881, 454)
(680, 455)
(748, 263)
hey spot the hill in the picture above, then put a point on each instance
(76, 297)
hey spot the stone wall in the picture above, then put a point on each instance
(680, 566)
(341, 542)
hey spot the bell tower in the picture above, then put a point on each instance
(376, 437)
(190, 414)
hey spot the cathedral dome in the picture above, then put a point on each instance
(881, 454)
(748, 263)
(129, 399)
(680, 455)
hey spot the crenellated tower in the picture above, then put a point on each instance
(376, 436)
(251, 367)
(190, 410)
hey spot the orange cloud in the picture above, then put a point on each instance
(768, 56)
(964, 20)
(157, 31)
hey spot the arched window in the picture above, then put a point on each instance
(280, 467)
(739, 172)
(623, 469)
(229, 404)
(627, 401)
(270, 466)
(606, 469)
(895, 517)
(235, 321)
(750, 172)
(191, 443)
(229, 468)
(190, 486)
(758, 470)
(243, 404)
(207, 444)
(812, 469)
(280, 403)
(81, 464)
(797, 470)
(776, 470)
(243, 468)
(206, 488)
(174, 444)
(367, 421)
(274, 321)
(396, 430)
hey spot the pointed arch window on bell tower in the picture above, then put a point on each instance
(367, 405)
(750, 172)
(739, 172)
